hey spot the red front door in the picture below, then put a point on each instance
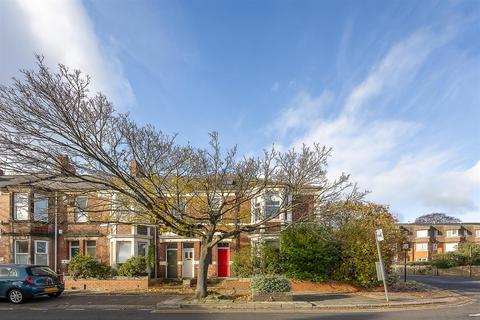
(222, 262)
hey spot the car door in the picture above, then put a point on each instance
(8, 275)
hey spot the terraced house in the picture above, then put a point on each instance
(427, 240)
(41, 226)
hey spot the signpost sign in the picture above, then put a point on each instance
(378, 239)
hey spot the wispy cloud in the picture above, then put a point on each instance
(63, 32)
(378, 150)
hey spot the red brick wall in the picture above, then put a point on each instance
(107, 285)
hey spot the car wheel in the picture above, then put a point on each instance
(55, 295)
(15, 296)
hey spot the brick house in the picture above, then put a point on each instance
(41, 227)
(427, 240)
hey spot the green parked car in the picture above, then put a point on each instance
(20, 282)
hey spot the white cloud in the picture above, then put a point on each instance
(63, 32)
(378, 151)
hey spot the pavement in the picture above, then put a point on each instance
(144, 307)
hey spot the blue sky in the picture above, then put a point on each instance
(392, 86)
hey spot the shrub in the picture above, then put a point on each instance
(358, 248)
(449, 260)
(242, 262)
(270, 284)
(267, 260)
(309, 252)
(133, 267)
(84, 267)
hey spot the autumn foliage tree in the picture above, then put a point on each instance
(191, 191)
(356, 237)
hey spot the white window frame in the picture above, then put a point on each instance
(41, 253)
(81, 216)
(89, 247)
(422, 233)
(454, 245)
(453, 233)
(419, 247)
(132, 247)
(27, 254)
(16, 207)
(70, 246)
(40, 216)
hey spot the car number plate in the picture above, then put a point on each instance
(50, 290)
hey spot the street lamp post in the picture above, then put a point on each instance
(406, 247)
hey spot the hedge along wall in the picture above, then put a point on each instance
(462, 271)
(118, 284)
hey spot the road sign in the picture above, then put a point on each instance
(406, 246)
(379, 234)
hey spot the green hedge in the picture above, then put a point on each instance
(83, 267)
(133, 267)
(309, 252)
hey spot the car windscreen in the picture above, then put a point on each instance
(42, 271)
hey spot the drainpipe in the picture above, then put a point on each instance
(155, 254)
(56, 232)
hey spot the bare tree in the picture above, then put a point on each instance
(193, 192)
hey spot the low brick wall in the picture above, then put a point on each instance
(117, 284)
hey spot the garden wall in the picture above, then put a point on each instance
(117, 284)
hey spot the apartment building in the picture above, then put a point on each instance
(50, 228)
(427, 240)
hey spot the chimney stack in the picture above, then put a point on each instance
(63, 166)
(136, 170)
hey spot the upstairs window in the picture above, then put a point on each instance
(477, 233)
(143, 230)
(422, 233)
(452, 233)
(40, 207)
(20, 206)
(81, 213)
(272, 204)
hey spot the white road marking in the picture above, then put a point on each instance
(474, 315)
(74, 309)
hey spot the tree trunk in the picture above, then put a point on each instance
(205, 260)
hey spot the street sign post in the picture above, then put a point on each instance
(378, 238)
(406, 247)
